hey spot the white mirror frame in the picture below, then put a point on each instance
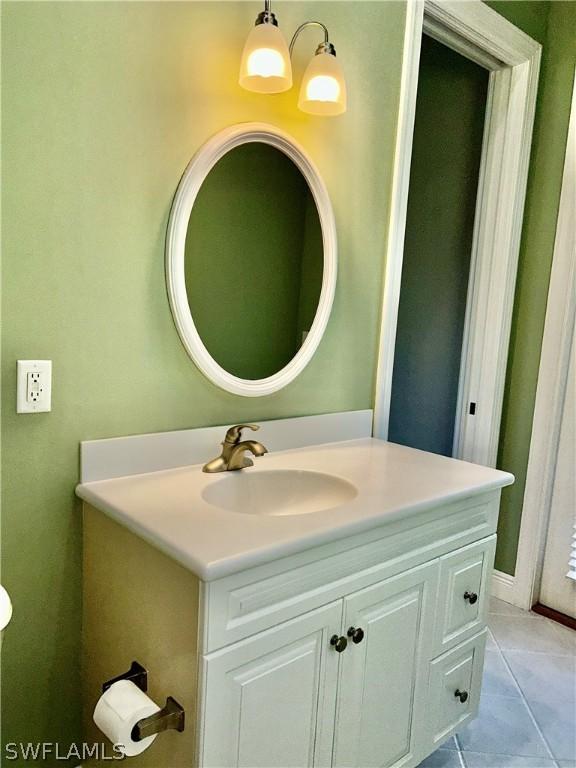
(198, 169)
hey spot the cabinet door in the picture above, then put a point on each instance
(383, 677)
(270, 699)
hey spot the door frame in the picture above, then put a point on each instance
(551, 388)
(513, 59)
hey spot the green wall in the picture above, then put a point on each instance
(446, 153)
(554, 25)
(103, 105)
(246, 249)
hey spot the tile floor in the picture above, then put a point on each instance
(527, 713)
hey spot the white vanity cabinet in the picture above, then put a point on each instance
(380, 676)
(293, 695)
(365, 651)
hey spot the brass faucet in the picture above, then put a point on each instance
(232, 456)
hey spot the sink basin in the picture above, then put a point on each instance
(278, 492)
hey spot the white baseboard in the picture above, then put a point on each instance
(503, 586)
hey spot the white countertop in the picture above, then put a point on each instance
(167, 510)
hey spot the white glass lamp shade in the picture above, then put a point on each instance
(265, 66)
(323, 90)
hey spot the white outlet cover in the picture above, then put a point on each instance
(34, 386)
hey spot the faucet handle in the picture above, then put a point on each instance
(234, 434)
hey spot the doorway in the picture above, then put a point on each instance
(446, 156)
(511, 60)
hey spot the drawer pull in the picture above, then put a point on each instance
(339, 643)
(462, 695)
(472, 597)
(356, 634)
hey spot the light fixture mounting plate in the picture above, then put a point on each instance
(266, 17)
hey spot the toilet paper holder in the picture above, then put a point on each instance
(136, 674)
(170, 717)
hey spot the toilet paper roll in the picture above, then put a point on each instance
(117, 712)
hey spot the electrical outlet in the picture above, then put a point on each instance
(34, 386)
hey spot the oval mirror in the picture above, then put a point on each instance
(251, 259)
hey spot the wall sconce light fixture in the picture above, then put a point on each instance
(266, 67)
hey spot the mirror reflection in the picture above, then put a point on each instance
(254, 261)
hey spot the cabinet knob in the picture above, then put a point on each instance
(339, 643)
(356, 634)
(472, 597)
(462, 695)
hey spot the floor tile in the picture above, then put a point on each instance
(566, 763)
(544, 677)
(558, 724)
(503, 726)
(568, 635)
(497, 680)
(442, 758)
(450, 744)
(507, 609)
(516, 633)
(485, 760)
(490, 642)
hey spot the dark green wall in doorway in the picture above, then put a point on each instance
(446, 153)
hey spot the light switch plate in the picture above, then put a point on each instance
(34, 386)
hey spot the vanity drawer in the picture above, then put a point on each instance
(455, 683)
(463, 593)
